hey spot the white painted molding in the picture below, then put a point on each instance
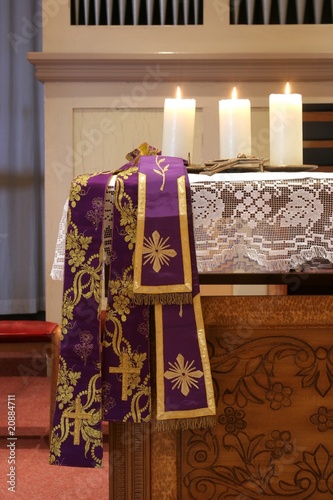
(70, 67)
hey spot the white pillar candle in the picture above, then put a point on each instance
(235, 126)
(178, 127)
(286, 128)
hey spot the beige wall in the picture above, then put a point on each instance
(214, 36)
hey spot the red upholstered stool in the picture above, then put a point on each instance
(35, 336)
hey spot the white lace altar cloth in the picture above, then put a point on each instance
(252, 222)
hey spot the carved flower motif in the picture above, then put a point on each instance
(233, 420)
(323, 419)
(279, 395)
(317, 371)
(280, 444)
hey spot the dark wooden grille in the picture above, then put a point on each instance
(281, 11)
(136, 12)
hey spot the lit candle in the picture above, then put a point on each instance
(178, 127)
(286, 129)
(235, 126)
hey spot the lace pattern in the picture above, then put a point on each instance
(244, 223)
(265, 225)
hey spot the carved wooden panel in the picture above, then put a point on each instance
(129, 461)
(272, 362)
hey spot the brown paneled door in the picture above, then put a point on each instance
(272, 364)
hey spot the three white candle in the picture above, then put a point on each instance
(286, 128)
(178, 127)
(235, 126)
(285, 121)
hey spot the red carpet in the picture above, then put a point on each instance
(34, 478)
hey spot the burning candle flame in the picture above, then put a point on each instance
(234, 93)
(178, 94)
(287, 88)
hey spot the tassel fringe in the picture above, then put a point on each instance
(185, 423)
(163, 298)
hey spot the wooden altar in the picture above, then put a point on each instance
(271, 357)
(271, 361)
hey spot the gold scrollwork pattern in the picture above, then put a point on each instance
(121, 289)
(86, 273)
(89, 427)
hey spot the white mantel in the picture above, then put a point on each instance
(188, 67)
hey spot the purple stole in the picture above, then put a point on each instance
(153, 266)
(165, 274)
(76, 438)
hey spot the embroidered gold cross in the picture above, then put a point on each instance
(78, 415)
(125, 369)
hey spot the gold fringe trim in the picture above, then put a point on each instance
(185, 423)
(162, 298)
